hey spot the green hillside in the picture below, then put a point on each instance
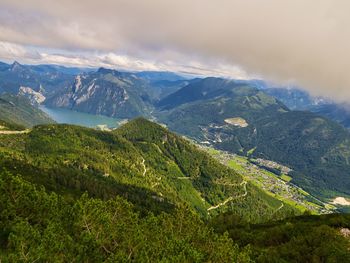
(18, 110)
(142, 161)
(39, 226)
(137, 194)
(306, 238)
(241, 119)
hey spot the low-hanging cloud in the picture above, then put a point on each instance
(305, 41)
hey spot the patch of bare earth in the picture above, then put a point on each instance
(237, 121)
(340, 201)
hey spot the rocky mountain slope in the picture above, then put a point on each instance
(105, 92)
(32, 78)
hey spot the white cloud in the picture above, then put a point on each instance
(23, 54)
(9, 51)
(305, 41)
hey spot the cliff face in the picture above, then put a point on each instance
(105, 92)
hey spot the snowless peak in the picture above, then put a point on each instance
(15, 65)
(106, 71)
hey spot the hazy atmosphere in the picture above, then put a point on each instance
(293, 41)
(174, 131)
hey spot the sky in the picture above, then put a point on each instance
(301, 42)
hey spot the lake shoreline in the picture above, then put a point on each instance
(67, 116)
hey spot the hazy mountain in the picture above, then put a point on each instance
(33, 78)
(159, 75)
(52, 69)
(106, 92)
(161, 84)
(337, 112)
(4, 66)
(245, 120)
(297, 99)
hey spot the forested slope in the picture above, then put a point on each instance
(69, 193)
(18, 110)
(241, 119)
(142, 161)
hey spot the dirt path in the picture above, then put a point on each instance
(244, 183)
(282, 205)
(14, 132)
(144, 167)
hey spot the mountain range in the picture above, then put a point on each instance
(237, 183)
(245, 120)
(297, 99)
(236, 116)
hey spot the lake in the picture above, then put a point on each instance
(79, 118)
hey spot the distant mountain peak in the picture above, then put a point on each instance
(16, 63)
(103, 70)
(16, 66)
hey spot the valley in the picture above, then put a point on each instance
(174, 131)
(229, 115)
(278, 186)
(315, 148)
(240, 161)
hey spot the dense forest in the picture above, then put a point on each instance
(143, 194)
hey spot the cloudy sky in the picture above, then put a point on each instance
(305, 42)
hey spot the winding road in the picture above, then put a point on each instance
(282, 205)
(244, 183)
(144, 167)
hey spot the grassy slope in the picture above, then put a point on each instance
(61, 225)
(72, 159)
(18, 110)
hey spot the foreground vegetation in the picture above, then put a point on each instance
(143, 194)
(305, 238)
(44, 227)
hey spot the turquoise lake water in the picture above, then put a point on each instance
(79, 118)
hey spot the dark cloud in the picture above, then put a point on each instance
(305, 41)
